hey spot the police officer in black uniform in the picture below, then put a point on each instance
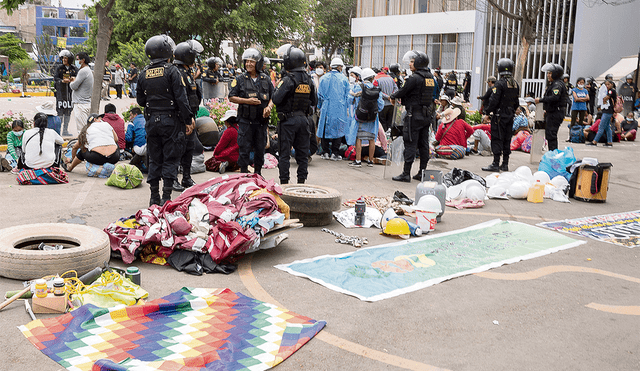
(252, 91)
(502, 104)
(554, 103)
(294, 97)
(394, 72)
(62, 77)
(162, 92)
(451, 84)
(185, 57)
(417, 96)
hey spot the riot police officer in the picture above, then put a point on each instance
(451, 85)
(162, 92)
(394, 72)
(554, 103)
(502, 104)
(213, 86)
(417, 96)
(62, 78)
(294, 97)
(184, 58)
(252, 91)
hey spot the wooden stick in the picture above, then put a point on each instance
(14, 297)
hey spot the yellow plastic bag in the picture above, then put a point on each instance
(110, 290)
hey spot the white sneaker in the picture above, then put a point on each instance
(335, 157)
(355, 164)
(325, 156)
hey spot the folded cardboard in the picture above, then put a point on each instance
(49, 304)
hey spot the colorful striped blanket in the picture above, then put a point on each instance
(49, 175)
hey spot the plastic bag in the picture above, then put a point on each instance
(457, 176)
(125, 176)
(109, 290)
(555, 162)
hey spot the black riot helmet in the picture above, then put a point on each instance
(556, 70)
(293, 58)
(505, 66)
(68, 54)
(254, 55)
(395, 68)
(187, 51)
(420, 59)
(159, 47)
(609, 77)
(211, 63)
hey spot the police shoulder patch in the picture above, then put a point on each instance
(429, 82)
(154, 72)
(556, 91)
(303, 88)
(280, 83)
(494, 90)
(233, 83)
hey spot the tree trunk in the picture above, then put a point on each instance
(522, 60)
(103, 38)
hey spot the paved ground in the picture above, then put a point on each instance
(544, 320)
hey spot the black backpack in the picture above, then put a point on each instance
(367, 109)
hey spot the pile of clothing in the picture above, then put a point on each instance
(221, 218)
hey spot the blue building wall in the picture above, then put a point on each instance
(61, 21)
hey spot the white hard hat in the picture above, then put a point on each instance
(524, 173)
(491, 179)
(519, 189)
(336, 62)
(497, 191)
(367, 73)
(388, 215)
(429, 203)
(357, 70)
(559, 181)
(541, 177)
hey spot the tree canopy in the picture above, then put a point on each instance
(10, 46)
(332, 19)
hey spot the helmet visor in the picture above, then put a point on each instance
(548, 67)
(283, 50)
(408, 57)
(251, 54)
(195, 46)
(170, 41)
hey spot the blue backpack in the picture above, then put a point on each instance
(576, 134)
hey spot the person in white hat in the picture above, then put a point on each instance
(332, 103)
(226, 153)
(53, 121)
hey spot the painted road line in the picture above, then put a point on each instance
(256, 290)
(86, 188)
(532, 275)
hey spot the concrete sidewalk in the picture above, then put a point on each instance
(544, 322)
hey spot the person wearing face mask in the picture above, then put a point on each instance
(320, 70)
(629, 128)
(14, 146)
(579, 106)
(82, 85)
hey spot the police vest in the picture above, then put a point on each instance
(301, 100)
(557, 87)
(426, 94)
(157, 88)
(192, 89)
(259, 89)
(510, 94)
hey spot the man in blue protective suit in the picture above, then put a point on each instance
(332, 103)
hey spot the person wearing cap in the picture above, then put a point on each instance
(96, 144)
(332, 103)
(452, 135)
(62, 78)
(491, 81)
(82, 85)
(118, 81)
(628, 92)
(226, 153)
(53, 121)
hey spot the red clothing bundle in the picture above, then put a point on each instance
(457, 134)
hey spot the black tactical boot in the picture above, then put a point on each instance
(406, 174)
(418, 176)
(495, 165)
(284, 181)
(155, 195)
(301, 180)
(187, 181)
(176, 186)
(505, 164)
(166, 193)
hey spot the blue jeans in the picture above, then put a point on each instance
(133, 86)
(605, 126)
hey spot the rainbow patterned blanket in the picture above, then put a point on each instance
(191, 329)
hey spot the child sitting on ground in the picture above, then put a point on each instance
(14, 144)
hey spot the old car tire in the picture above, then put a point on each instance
(85, 249)
(312, 204)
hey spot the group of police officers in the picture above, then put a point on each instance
(171, 97)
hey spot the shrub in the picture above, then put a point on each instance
(126, 115)
(217, 109)
(6, 119)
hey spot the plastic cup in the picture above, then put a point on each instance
(426, 220)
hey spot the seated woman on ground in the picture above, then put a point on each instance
(42, 147)
(97, 144)
(14, 145)
(225, 155)
(629, 128)
(452, 135)
(482, 137)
